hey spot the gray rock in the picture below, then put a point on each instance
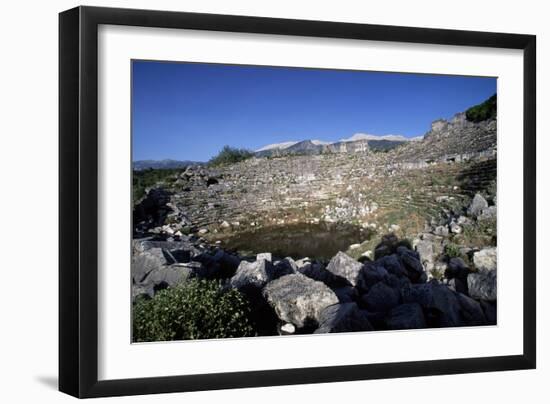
(264, 256)
(477, 205)
(426, 250)
(483, 285)
(145, 262)
(252, 274)
(405, 317)
(345, 267)
(381, 297)
(488, 213)
(455, 228)
(471, 311)
(298, 299)
(344, 317)
(287, 329)
(442, 231)
(169, 276)
(486, 259)
(438, 299)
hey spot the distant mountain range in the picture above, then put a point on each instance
(358, 142)
(162, 164)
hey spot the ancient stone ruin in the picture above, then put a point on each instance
(422, 252)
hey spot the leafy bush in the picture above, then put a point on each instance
(485, 110)
(230, 155)
(452, 250)
(143, 179)
(196, 309)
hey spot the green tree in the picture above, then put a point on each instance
(482, 112)
(230, 155)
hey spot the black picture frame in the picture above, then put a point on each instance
(78, 206)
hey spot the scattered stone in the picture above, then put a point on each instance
(298, 299)
(345, 267)
(354, 246)
(477, 205)
(426, 250)
(483, 285)
(288, 329)
(442, 231)
(225, 225)
(203, 231)
(145, 262)
(486, 259)
(346, 317)
(264, 256)
(455, 228)
(252, 275)
(488, 213)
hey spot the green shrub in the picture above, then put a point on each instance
(485, 110)
(196, 309)
(452, 250)
(143, 179)
(230, 155)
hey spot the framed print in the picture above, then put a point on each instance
(251, 201)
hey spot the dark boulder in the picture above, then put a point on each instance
(392, 264)
(371, 274)
(471, 311)
(381, 298)
(345, 317)
(490, 311)
(406, 316)
(440, 304)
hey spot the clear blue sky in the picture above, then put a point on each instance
(188, 111)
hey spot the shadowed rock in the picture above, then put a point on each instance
(344, 317)
(438, 301)
(381, 297)
(406, 316)
(471, 311)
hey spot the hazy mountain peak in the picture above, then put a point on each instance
(368, 136)
(272, 146)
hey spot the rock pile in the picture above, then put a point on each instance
(305, 296)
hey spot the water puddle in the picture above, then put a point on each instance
(317, 241)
